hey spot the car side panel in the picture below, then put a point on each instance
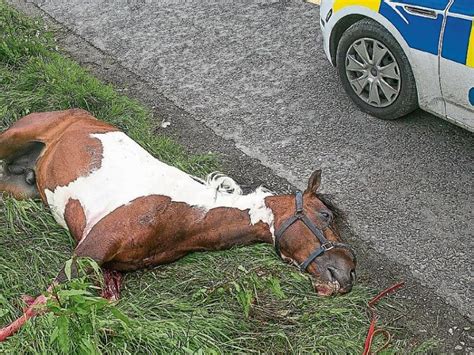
(420, 32)
(456, 39)
(464, 7)
(457, 63)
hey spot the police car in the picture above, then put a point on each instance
(395, 56)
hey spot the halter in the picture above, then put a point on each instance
(318, 233)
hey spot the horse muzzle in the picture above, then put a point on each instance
(334, 281)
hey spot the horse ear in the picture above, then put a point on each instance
(314, 182)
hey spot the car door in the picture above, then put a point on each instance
(457, 63)
(420, 23)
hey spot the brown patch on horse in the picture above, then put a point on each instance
(75, 155)
(75, 218)
(38, 127)
(128, 235)
(153, 230)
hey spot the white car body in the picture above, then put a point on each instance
(437, 37)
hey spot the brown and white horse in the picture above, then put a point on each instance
(127, 210)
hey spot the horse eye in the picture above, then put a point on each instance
(325, 215)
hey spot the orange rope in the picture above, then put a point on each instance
(373, 331)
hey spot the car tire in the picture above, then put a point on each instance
(378, 73)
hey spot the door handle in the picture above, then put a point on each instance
(419, 11)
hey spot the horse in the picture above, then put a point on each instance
(127, 210)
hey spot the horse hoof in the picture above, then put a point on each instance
(29, 300)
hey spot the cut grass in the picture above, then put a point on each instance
(240, 300)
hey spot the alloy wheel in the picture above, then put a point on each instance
(373, 72)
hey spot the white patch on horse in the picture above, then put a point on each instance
(128, 172)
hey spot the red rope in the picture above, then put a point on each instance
(373, 331)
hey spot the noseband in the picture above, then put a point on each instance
(318, 233)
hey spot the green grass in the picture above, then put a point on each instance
(240, 300)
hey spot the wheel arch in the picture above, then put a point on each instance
(339, 28)
(352, 14)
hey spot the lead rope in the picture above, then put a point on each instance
(373, 331)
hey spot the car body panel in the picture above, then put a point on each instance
(464, 7)
(457, 62)
(420, 32)
(418, 26)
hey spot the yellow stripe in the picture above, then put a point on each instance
(470, 48)
(371, 4)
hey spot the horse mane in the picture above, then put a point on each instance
(220, 182)
(224, 184)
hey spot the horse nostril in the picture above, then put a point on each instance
(332, 273)
(353, 275)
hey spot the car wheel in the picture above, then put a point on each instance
(375, 71)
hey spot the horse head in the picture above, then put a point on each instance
(306, 235)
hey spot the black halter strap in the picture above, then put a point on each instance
(325, 244)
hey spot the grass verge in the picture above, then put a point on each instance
(240, 300)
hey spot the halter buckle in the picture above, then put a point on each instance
(327, 246)
(299, 214)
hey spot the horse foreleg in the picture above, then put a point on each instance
(34, 308)
(98, 249)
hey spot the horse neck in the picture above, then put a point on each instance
(235, 220)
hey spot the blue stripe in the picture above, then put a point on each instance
(471, 96)
(463, 7)
(456, 39)
(421, 33)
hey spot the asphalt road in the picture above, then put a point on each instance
(255, 73)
